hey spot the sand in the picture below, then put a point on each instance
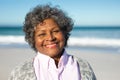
(105, 65)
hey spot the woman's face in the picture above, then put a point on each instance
(49, 39)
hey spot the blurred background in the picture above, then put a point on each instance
(95, 21)
(96, 29)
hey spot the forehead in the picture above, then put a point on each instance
(47, 24)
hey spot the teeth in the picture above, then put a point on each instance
(51, 45)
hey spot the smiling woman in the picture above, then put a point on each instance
(47, 30)
(49, 39)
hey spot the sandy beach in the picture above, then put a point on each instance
(105, 65)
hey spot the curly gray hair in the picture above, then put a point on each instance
(39, 14)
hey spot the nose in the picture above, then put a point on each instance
(50, 37)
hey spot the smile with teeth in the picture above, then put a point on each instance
(51, 45)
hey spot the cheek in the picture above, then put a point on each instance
(38, 42)
(61, 37)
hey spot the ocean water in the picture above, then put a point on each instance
(82, 37)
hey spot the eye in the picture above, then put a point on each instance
(56, 31)
(41, 35)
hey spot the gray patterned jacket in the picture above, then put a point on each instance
(26, 71)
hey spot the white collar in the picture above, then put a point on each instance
(46, 61)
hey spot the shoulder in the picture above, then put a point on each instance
(24, 71)
(85, 69)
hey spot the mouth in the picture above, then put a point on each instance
(51, 45)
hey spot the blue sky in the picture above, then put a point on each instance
(83, 12)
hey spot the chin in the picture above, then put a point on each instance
(54, 53)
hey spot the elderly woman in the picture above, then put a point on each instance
(47, 30)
